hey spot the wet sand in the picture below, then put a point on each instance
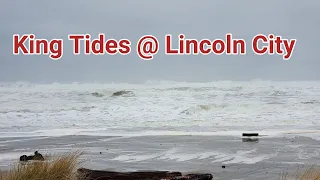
(265, 159)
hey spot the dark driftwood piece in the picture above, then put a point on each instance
(146, 175)
(36, 157)
(250, 134)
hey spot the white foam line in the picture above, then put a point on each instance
(180, 133)
(19, 140)
(299, 131)
(104, 132)
(48, 133)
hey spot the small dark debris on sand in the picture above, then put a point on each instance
(36, 157)
(250, 137)
(146, 175)
(250, 134)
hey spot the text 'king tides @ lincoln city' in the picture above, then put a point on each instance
(148, 45)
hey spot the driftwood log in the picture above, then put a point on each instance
(36, 157)
(143, 175)
(250, 134)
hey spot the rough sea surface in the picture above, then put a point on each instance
(158, 108)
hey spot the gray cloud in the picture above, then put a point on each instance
(132, 19)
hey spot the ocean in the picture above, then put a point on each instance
(159, 108)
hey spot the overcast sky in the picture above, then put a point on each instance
(211, 19)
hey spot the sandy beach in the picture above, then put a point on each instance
(265, 159)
